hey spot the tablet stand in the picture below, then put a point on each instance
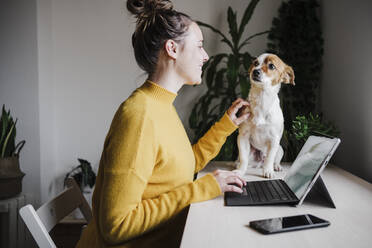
(319, 194)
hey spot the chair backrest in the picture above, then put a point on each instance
(41, 221)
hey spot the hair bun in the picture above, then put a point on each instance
(147, 8)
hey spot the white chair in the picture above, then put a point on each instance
(41, 221)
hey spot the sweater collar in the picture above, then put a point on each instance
(158, 92)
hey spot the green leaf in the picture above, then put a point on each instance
(233, 29)
(7, 139)
(213, 67)
(4, 126)
(224, 105)
(18, 147)
(83, 174)
(246, 17)
(245, 42)
(246, 61)
(205, 66)
(10, 147)
(244, 86)
(224, 38)
(220, 79)
(232, 70)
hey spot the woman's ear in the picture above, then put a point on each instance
(171, 48)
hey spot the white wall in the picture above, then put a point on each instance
(19, 83)
(87, 68)
(65, 67)
(347, 80)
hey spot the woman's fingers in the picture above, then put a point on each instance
(229, 181)
(234, 180)
(236, 105)
(237, 101)
(232, 188)
(234, 108)
(242, 118)
(240, 178)
(239, 105)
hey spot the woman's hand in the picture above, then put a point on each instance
(227, 181)
(234, 108)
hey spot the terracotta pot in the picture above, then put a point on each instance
(10, 177)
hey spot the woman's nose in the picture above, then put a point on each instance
(205, 56)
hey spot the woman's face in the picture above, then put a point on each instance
(192, 56)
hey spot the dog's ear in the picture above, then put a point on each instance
(288, 75)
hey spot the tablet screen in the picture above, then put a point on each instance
(308, 162)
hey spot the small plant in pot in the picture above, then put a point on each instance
(304, 126)
(10, 173)
(83, 175)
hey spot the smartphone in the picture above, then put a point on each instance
(289, 223)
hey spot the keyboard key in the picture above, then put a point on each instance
(252, 191)
(260, 194)
(279, 190)
(244, 191)
(272, 191)
(266, 190)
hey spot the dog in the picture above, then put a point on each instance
(259, 136)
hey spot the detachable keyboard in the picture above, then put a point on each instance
(262, 193)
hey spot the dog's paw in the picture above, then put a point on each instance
(268, 173)
(277, 167)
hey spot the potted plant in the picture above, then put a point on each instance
(83, 175)
(226, 76)
(304, 126)
(10, 173)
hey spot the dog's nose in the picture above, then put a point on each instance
(256, 73)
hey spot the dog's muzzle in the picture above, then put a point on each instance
(256, 75)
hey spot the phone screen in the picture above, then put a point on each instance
(290, 223)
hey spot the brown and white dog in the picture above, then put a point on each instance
(260, 135)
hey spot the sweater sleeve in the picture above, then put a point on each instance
(210, 144)
(129, 159)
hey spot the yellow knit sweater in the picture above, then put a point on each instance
(145, 176)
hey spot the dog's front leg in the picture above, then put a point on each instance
(268, 167)
(278, 159)
(244, 151)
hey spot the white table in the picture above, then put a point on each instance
(13, 230)
(211, 224)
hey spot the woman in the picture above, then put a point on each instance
(145, 177)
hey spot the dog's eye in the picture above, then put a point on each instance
(255, 63)
(271, 66)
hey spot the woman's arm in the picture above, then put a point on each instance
(129, 158)
(210, 144)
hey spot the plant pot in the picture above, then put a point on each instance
(10, 177)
